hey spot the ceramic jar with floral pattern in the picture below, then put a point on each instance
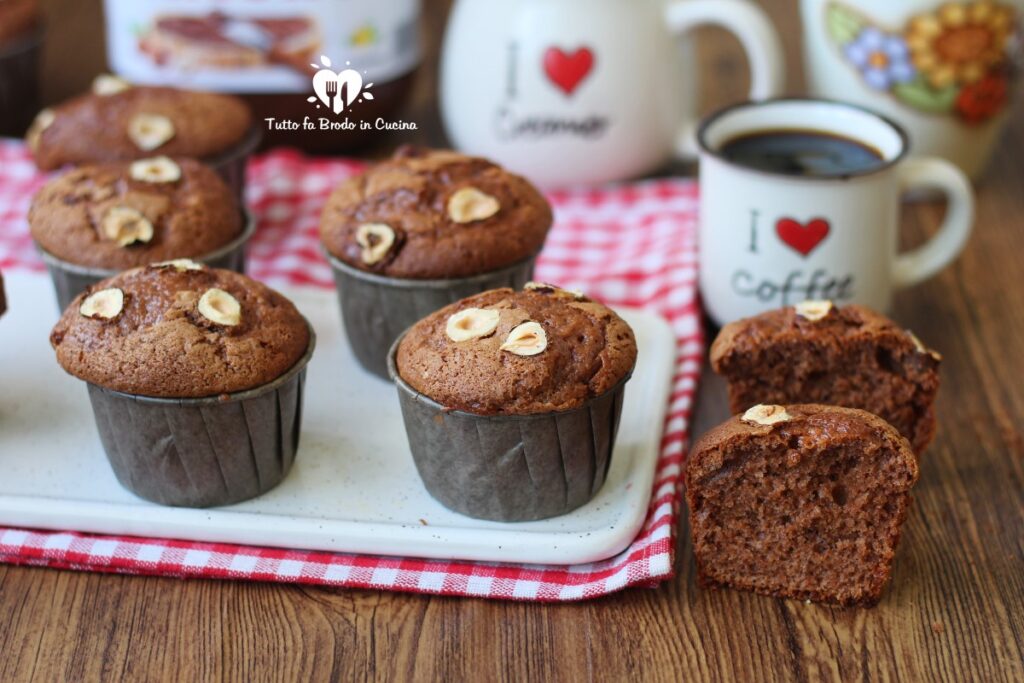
(945, 69)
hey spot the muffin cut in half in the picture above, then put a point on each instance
(801, 501)
(816, 352)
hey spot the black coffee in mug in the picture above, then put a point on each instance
(802, 153)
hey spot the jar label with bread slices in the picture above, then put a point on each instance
(245, 46)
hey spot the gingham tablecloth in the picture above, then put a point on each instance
(629, 244)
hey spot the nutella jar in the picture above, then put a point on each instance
(322, 75)
(21, 40)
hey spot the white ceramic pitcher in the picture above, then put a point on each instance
(583, 91)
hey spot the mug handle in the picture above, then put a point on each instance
(753, 28)
(925, 261)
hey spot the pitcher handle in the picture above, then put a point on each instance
(753, 28)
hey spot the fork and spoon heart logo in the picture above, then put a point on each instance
(337, 90)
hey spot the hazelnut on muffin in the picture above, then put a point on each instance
(818, 352)
(118, 121)
(179, 330)
(503, 352)
(420, 231)
(434, 214)
(195, 376)
(96, 220)
(511, 400)
(121, 215)
(800, 501)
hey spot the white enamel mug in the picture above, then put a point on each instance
(943, 69)
(586, 91)
(769, 240)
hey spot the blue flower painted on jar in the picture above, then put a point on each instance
(882, 58)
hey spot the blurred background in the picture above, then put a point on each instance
(75, 51)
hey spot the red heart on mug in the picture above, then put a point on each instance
(803, 238)
(567, 70)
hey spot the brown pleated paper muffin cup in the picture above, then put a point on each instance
(510, 468)
(19, 83)
(203, 452)
(230, 166)
(70, 279)
(377, 309)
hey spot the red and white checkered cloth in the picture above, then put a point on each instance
(631, 244)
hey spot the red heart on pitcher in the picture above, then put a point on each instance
(567, 70)
(803, 238)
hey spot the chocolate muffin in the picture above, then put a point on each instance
(434, 214)
(817, 352)
(121, 215)
(121, 122)
(195, 376)
(511, 400)
(420, 231)
(179, 330)
(801, 501)
(502, 352)
(97, 220)
(21, 38)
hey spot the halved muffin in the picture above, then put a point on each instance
(800, 501)
(817, 352)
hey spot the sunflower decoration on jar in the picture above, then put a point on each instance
(953, 60)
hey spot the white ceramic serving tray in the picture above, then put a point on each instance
(354, 487)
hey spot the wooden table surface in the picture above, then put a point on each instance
(953, 611)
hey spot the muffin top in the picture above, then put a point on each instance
(127, 214)
(117, 122)
(17, 19)
(179, 330)
(517, 353)
(820, 321)
(433, 214)
(811, 427)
